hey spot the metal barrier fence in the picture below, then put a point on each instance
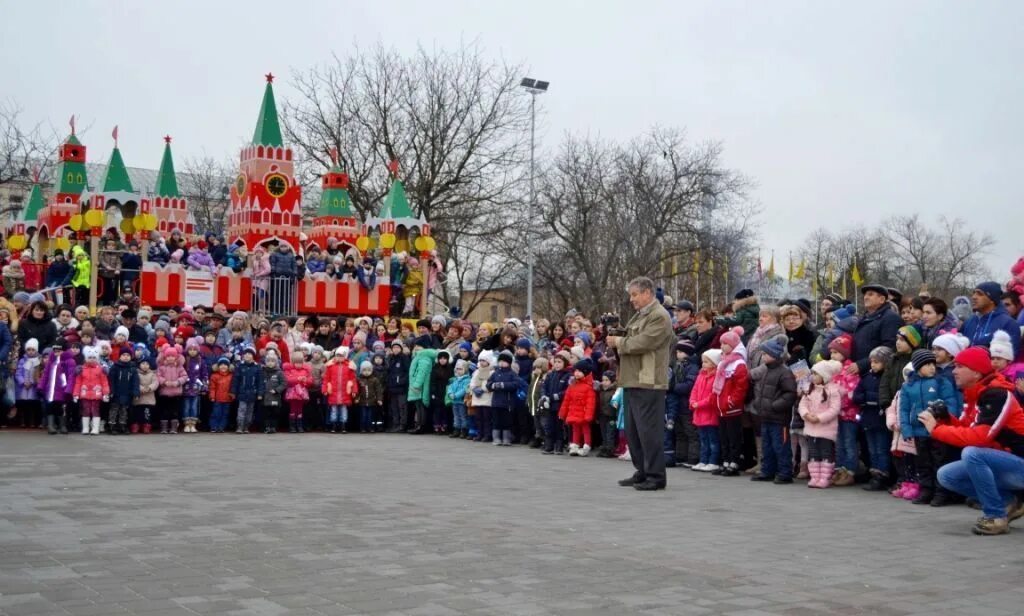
(275, 295)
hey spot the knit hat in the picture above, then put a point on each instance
(921, 358)
(842, 313)
(834, 298)
(1001, 347)
(365, 366)
(976, 359)
(565, 356)
(20, 297)
(342, 352)
(507, 357)
(744, 294)
(248, 350)
(713, 355)
(397, 343)
(522, 343)
(686, 346)
(487, 356)
(911, 335)
(585, 338)
(585, 366)
(881, 354)
(732, 337)
(577, 353)
(121, 331)
(609, 374)
(951, 343)
(185, 331)
(775, 347)
(464, 346)
(425, 342)
(992, 289)
(844, 345)
(462, 364)
(804, 305)
(90, 352)
(423, 323)
(36, 297)
(827, 369)
(378, 345)
(223, 361)
(32, 344)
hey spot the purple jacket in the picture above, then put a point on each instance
(198, 376)
(57, 381)
(25, 379)
(201, 260)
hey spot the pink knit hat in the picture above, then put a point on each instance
(732, 337)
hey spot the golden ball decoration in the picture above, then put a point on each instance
(95, 218)
(76, 222)
(387, 240)
(363, 243)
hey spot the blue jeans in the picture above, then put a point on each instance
(708, 444)
(847, 454)
(459, 417)
(776, 450)
(990, 476)
(365, 418)
(190, 408)
(219, 417)
(879, 440)
(339, 414)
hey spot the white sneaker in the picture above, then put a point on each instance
(698, 467)
(95, 425)
(626, 457)
(710, 467)
(574, 449)
(584, 451)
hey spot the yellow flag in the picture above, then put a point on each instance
(771, 267)
(814, 286)
(675, 265)
(790, 279)
(855, 274)
(801, 270)
(830, 275)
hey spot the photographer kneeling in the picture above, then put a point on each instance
(991, 431)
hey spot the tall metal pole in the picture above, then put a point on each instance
(529, 218)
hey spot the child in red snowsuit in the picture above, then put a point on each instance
(577, 410)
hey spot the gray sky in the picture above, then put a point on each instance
(842, 112)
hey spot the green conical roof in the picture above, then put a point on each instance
(35, 203)
(268, 130)
(166, 181)
(335, 200)
(70, 177)
(117, 174)
(395, 204)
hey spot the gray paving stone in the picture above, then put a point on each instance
(393, 524)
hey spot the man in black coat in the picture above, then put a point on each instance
(878, 327)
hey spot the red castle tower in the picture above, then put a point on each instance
(335, 218)
(69, 181)
(265, 199)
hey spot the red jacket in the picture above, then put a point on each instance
(299, 380)
(220, 386)
(91, 383)
(339, 382)
(579, 402)
(730, 400)
(993, 418)
(702, 402)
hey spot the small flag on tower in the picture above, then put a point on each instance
(72, 123)
(113, 134)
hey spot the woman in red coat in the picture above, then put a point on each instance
(339, 387)
(577, 410)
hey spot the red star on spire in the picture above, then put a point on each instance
(270, 77)
(393, 167)
(167, 138)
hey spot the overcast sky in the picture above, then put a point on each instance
(841, 112)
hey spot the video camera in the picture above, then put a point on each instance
(612, 324)
(939, 410)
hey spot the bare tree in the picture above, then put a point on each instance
(24, 149)
(206, 185)
(457, 124)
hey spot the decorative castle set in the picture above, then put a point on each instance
(265, 209)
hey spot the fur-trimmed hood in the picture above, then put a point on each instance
(743, 303)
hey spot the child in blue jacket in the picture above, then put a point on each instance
(684, 375)
(921, 389)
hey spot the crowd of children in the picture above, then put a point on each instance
(776, 397)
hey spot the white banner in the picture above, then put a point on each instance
(199, 289)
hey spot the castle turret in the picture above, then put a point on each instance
(169, 207)
(335, 218)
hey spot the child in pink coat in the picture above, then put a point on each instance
(705, 412)
(819, 408)
(298, 375)
(91, 388)
(848, 453)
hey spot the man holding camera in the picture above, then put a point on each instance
(991, 431)
(643, 374)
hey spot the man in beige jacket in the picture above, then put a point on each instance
(643, 375)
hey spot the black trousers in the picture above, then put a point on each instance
(820, 449)
(730, 435)
(645, 432)
(687, 439)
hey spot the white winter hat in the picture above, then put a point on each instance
(487, 356)
(32, 344)
(951, 343)
(90, 352)
(121, 331)
(713, 355)
(827, 369)
(1001, 347)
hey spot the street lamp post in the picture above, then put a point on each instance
(534, 87)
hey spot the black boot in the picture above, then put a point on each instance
(51, 425)
(291, 426)
(298, 425)
(876, 484)
(62, 425)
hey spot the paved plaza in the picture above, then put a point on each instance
(393, 524)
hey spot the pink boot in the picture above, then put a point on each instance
(900, 489)
(912, 492)
(826, 470)
(814, 470)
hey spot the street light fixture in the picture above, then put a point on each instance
(533, 87)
